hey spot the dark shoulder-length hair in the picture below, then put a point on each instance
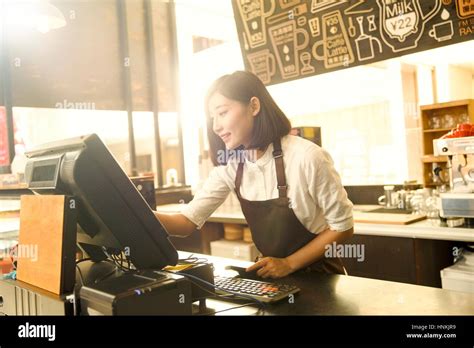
(269, 125)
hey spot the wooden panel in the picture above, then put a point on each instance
(415, 261)
(210, 231)
(431, 257)
(386, 258)
(433, 158)
(446, 104)
(44, 243)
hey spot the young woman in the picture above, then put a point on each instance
(289, 191)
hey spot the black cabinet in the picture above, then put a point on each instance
(407, 260)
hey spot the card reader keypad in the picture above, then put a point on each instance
(263, 291)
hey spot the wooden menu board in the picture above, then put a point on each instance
(47, 242)
(283, 40)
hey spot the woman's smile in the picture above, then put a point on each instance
(225, 137)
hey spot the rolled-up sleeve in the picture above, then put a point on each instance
(325, 187)
(213, 193)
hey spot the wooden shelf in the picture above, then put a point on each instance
(455, 103)
(437, 130)
(446, 105)
(431, 184)
(434, 159)
(455, 109)
(14, 187)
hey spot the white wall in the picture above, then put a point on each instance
(424, 82)
(453, 83)
(361, 113)
(472, 87)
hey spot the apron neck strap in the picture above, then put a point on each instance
(238, 178)
(279, 167)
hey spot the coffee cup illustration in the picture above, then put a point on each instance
(365, 43)
(365, 47)
(262, 64)
(335, 43)
(253, 17)
(284, 38)
(442, 31)
(402, 22)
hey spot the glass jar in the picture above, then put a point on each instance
(449, 121)
(434, 122)
(463, 118)
(432, 212)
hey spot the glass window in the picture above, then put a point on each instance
(36, 126)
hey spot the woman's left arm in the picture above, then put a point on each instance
(273, 267)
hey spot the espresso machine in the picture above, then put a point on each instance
(458, 201)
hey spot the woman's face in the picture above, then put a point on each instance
(232, 120)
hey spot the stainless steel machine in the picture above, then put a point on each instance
(459, 200)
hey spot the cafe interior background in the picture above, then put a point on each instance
(75, 68)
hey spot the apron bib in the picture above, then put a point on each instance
(276, 231)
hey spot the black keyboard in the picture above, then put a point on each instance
(260, 290)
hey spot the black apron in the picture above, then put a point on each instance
(276, 231)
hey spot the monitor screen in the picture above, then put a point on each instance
(112, 214)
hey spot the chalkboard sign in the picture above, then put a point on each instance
(283, 40)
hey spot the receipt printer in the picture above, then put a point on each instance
(143, 293)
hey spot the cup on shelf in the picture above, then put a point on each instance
(448, 121)
(434, 122)
(463, 118)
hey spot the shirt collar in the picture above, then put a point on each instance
(267, 156)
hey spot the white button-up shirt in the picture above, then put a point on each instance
(314, 187)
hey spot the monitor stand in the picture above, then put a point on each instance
(91, 272)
